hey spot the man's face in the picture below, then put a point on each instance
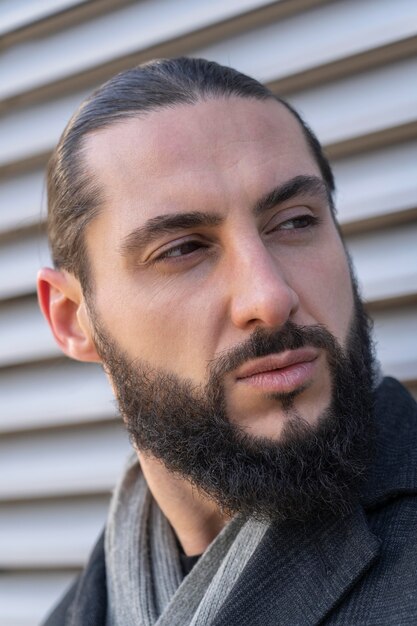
(216, 224)
(224, 310)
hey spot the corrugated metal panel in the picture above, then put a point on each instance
(55, 393)
(26, 541)
(50, 59)
(395, 329)
(349, 66)
(21, 256)
(21, 201)
(24, 335)
(62, 461)
(18, 14)
(378, 187)
(383, 276)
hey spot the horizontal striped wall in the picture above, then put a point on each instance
(349, 66)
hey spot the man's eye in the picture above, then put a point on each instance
(179, 251)
(303, 221)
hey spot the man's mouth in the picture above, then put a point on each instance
(279, 373)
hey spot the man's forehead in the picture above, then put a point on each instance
(160, 141)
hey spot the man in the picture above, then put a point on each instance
(197, 257)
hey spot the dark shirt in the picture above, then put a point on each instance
(188, 562)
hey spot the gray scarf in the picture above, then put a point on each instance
(144, 579)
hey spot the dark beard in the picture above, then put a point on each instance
(312, 471)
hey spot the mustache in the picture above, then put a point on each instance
(262, 343)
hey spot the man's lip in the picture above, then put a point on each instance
(276, 362)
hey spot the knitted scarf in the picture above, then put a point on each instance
(144, 580)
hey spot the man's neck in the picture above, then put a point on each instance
(195, 519)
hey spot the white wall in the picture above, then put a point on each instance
(349, 66)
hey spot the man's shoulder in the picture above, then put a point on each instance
(393, 471)
(86, 600)
(394, 401)
(396, 416)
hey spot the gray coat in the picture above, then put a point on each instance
(358, 571)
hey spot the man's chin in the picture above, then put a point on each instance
(308, 472)
(268, 417)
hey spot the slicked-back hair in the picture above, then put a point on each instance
(74, 197)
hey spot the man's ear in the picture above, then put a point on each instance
(63, 305)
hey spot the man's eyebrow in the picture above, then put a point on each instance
(172, 222)
(290, 189)
(166, 224)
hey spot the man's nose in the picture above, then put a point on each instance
(260, 292)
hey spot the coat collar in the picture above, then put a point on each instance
(394, 467)
(89, 605)
(299, 573)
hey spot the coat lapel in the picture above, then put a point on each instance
(298, 574)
